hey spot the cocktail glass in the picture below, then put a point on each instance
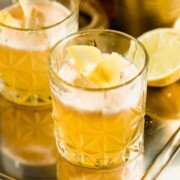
(24, 50)
(99, 127)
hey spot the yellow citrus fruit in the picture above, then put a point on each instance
(102, 69)
(85, 56)
(7, 19)
(163, 46)
(107, 72)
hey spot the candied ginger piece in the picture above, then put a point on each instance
(7, 19)
(85, 57)
(108, 71)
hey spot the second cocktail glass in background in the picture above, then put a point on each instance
(96, 126)
(25, 40)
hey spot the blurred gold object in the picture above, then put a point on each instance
(164, 103)
(136, 17)
(129, 171)
(5, 177)
(92, 15)
(27, 134)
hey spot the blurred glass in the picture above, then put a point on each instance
(27, 141)
(137, 16)
(25, 41)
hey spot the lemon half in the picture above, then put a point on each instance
(163, 46)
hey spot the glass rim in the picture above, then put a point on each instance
(83, 32)
(43, 27)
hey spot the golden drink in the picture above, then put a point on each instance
(96, 139)
(24, 50)
(25, 74)
(98, 126)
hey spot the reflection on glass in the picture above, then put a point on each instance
(164, 103)
(26, 138)
(127, 171)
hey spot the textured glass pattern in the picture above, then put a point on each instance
(127, 171)
(99, 140)
(25, 75)
(24, 50)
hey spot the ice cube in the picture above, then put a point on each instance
(69, 73)
(84, 82)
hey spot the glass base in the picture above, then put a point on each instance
(85, 160)
(26, 97)
(131, 171)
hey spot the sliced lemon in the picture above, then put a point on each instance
(7, 19)
(163, 46)
(108, 71)
(85, 57)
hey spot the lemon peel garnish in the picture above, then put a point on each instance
(101, 69)
(85, 57)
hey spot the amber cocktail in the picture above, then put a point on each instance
(98, 84)
(27, 33)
